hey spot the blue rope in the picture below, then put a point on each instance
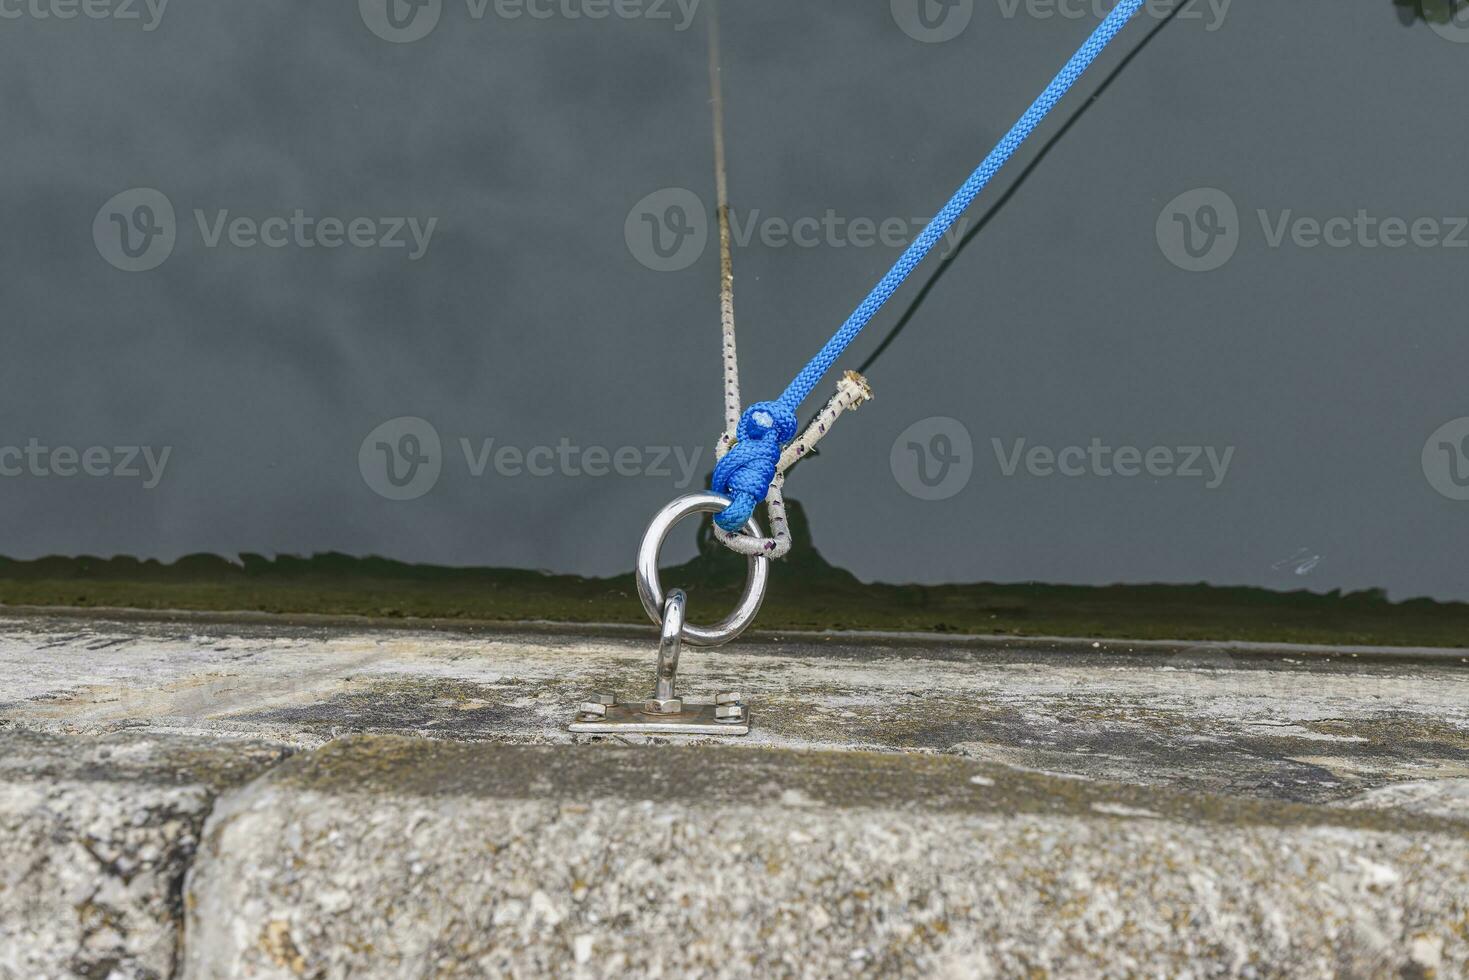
(745, 472)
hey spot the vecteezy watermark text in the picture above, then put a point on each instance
(1200, 230)
(405, 21)
(42, 462)
(668, 230)
(301, 230)
(934, 459)
(148, 13)
(137, 230)
(569, 459)
(1211, 13)
(937, 21)
(1097, 459)
(403, 458)
(832, 230)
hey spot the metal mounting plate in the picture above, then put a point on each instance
(630, 719)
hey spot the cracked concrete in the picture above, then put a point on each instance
(1266, 775)
(97, 836)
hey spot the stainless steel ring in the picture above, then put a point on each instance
(651, 591)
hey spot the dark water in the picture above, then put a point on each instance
(1216, 334)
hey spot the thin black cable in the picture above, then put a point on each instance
(1004, 198)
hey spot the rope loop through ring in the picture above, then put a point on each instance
(650, 590)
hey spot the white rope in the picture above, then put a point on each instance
(851, 391)
(726, 252)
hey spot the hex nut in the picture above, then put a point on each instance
(729, 713)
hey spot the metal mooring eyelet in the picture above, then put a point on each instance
(665, 713)
(665, 699)
(651, 591)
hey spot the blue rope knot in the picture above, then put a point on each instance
(745, 472)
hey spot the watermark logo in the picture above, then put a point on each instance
(401, 21)
(667, 230)
(149, 13)
(36, 460)
(932, 21)
(1097, 459)
(1456, 27)
(1211, 13)
(135, 230)
(937, 21)
(679, 13)
(571, 460)
(832, 230)
(404, 458)
(933, 459)
(1446, 459)
(1199, 230)
(405, 21)
(401, 459)
(301, 230)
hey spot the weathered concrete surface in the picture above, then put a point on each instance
(1311, 727)
(390, 857)
(962, 807)
(95, 837)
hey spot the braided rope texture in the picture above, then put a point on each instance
(852, 391)
(745, 472)
(813, 372)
